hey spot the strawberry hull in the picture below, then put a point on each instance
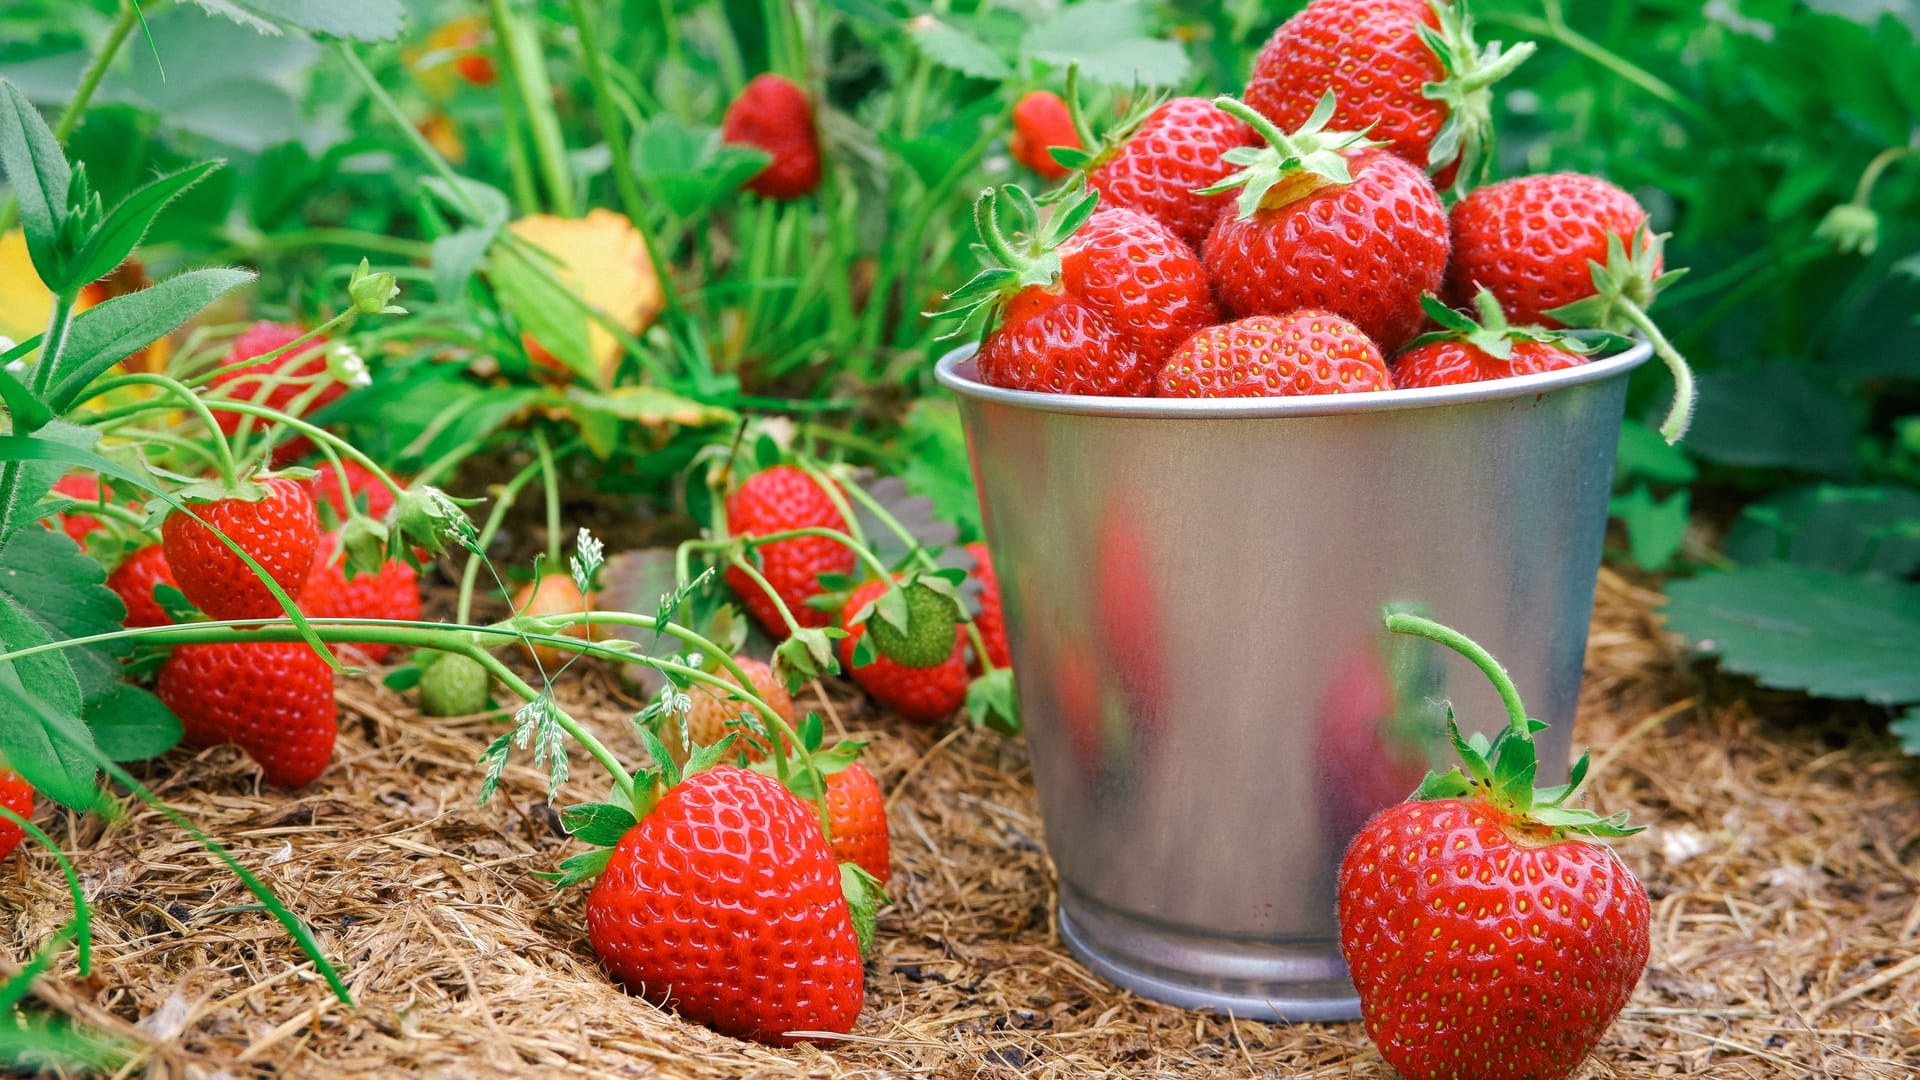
(1236, 673)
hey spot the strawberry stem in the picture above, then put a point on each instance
(1402, 623)
(1680, 413)
(223, 459)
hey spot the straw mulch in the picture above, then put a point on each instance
(1782, 863)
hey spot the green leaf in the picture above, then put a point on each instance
(582, 867)
(472, 197)
(41, 735)
(1776, 417)
(1110, 41)
(29, 414)
(128, 223)
(1645, 453)
(456, 257)
(129, 724)
(1800, 628)
(1906, 728)
(111, 331)
(355, 20)
(864, 898)
(936, 465)
(1655, 527)
(992, 702)
(44, 572)
(1845, 529)
(38, 477)
(951, 46)
(36, 170)
(597, 823)
(688, 167)
(544, 308)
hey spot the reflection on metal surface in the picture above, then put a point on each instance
(1193, 592)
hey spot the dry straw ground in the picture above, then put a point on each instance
(1782, 861)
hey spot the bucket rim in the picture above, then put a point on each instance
(955, 371)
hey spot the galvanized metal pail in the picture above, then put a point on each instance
(1193, 594)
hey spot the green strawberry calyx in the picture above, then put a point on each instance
(1501, 771)
(1466, 135)
(1292, 165)
(1493, 335)
(1096, 150)
(1026, 258)
(1623, 289)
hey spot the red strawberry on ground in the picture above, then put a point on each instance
(857, 814)
(775, 115)
(16, 795)
(1563, 249)
(362, 488)
(1486, 930)
(1464, 351)
(271, 519)
(991, 624)
(724, 902)
(1041, 120)
(75, 523)
(1408, 72)
(715, 713)
(1093, 304)
(391, 593)
(133, 581)
(776, 500)
(925, 695)
(1324, 223)
(276, 383)
(272, 699)
(1307, 352)
(1159, 166)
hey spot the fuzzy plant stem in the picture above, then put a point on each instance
(1680, 413)
(1402, 623)
(223, 453)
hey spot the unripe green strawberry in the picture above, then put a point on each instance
(453, 685)
(928, 638)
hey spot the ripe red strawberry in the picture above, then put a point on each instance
(133, 581)
(1307, 352)
(391, 593)
(278, 529)
(1486, 931)
(777, 500)
(1094, 304)
(1322, 223)
(16, 795)
(1406, 71)
(1041, 120)
(362, 488)
(774, 115)
(1530, 240)
(276, 383)
(1160, 166)
(715, 713)
(82, 489)
(991, 624)
(857, 814)
(272, 699)
(724, 902)
(1464, 351)
(1568, 250)
(925, 695)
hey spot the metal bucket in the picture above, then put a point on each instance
(1193, 594)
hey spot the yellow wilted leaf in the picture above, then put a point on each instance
(603, 258)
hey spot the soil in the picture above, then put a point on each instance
(1782, 856)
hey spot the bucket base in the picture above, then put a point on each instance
(1299, 981)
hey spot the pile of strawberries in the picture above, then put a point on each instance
(274, 700)
(1298, 241)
